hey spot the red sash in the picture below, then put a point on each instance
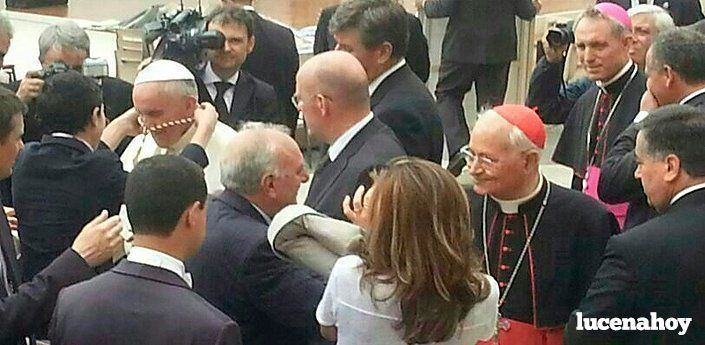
(521, 333)
(592, 177)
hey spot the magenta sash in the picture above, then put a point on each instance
(592, 177)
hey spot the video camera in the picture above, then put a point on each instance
(95, 68)
(560, 34)
(182, 37)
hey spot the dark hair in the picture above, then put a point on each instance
(67, 102)
(683, 50)
(159, 190)
(231, 15)
(10, 106)
(376, 21)
(679, 130)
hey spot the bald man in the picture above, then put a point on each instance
(273, 301)
(331, 92)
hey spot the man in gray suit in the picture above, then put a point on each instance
(147, 298)
(479, 44)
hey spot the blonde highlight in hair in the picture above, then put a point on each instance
(421, 242)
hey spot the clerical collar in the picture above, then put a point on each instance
(512, 206)
(209, 76)
(339, 144)
(378, 81)
(151, 257)
(687, 191)
(617, 82)
(687, 99)
(66, 135)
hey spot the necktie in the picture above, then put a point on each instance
(641, 2)
(222, 87)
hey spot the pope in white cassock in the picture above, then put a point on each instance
(166, 97)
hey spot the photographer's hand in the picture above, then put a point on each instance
(122, 126)
(554, 54)
(30, 88)
(206, 117)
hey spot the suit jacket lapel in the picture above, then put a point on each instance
(324, 178)
(8, 252)
(242, 92)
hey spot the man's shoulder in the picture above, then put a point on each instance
(260, 86)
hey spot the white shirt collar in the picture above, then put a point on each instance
(692, 95)
(267, 218)
(155, 258)
(617, 76)
(687, 191)
(209, 76)
(375, 83)
(66, 135)
(248, 8)
(339, 144)
(512, 206)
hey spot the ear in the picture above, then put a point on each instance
(267, 185)
(673, 168)
(190, 214)
(251, 44)
(98, 117)
(532, 161)
(627, 39)
(671, 76)
(191, 104)
(384, 52)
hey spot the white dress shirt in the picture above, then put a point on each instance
(66, 135)
(687, 191)
(151, 257)
(375, 83)
(210, 78)
(339, 144)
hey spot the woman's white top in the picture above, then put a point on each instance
(347, 305)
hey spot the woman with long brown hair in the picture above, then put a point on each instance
(418, 278)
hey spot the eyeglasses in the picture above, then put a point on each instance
(295, 99)
(470, 157)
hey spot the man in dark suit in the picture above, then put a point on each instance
(26, 308)
(656, 267)
(332, 94)
(416, 54)
(69, 44)
(676, 74)
(237, 95)
(274, 59)
(684, 12)
(63, 181)
(147, 298)
(273, 301)
(479, 44)
(376, 33)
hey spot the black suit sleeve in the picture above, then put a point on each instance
(417, 54)
(617, 182)
(31, 307)
(229, 335)
(524, 9)
(440, 8)
(288, 294)
(611, 294)
(320, 41)
(195, 153)
(544, 93)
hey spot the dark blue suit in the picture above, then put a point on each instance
(29, 308)
(404, 104)
(654, 267)
(373, 145)
(273, 301)
(59, 185)
(138, 304)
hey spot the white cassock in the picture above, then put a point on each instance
(143, 146)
